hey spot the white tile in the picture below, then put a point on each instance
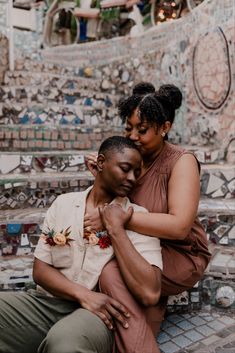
(214, 183)
(231, 233)
(9, 163)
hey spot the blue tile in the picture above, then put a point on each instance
(205, 330)
(208, 317)
(186, 316)
(174, 318)
(169, 347)
(163, 337)
(174, 331)
(185, 325)
(216, 325)
(227, 320)
(165, 324)
(193, 335)
(197, 321)
(182, 341)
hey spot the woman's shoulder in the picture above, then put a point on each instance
(171, 153)
(174, 149)
(174, 153)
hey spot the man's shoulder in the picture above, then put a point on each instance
(69, 197)
(135, 206)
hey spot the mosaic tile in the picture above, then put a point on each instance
(193, 335)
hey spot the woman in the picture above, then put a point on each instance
(169, 187)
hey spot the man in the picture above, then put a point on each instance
(65, 314)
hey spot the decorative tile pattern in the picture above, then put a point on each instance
(200, 339)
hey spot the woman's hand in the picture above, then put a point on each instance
(92, 221)
(114, 217)
(107, 308)
(91, 162)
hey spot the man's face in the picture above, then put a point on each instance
(120, 171)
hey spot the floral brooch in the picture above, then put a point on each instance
(57, 238)
(100, 238)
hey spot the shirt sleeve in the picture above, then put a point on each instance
(148, 247)
(43, 250)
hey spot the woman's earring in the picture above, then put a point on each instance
(163, 134)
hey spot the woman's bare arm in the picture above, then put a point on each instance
(183, 199)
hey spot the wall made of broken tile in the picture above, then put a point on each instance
(41, 191)
(218, 293)
(4, 61)
(48, 138)
(218, 181)
(220, 228)
(181, 52)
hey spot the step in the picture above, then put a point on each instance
(12, 163)
(81, 111)
(58, 137)
(57, 90)
(218, 219)
(41, 189)
(38, 109)
(218, 180)
(217, 216)
(207, 208)
(25, 63)
(66, 131)
(84, 78)
(17, 250)
(16, 168)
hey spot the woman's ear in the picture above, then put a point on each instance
(167, 126)
(100, 162)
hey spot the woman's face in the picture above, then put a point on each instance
(146, 136)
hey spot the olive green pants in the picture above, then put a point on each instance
(34, 323)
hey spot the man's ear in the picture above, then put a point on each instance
(100, 162)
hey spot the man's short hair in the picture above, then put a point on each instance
(117, 144)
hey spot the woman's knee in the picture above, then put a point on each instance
(110, 278)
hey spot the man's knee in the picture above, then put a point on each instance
(79, 332)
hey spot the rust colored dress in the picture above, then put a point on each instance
(184, 261)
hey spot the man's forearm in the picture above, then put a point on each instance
(56, 283)
(105, 307)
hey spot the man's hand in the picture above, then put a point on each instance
(91, 163)
(92, 221)
(114, 217)
(107, 308)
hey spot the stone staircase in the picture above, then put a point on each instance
(52, 115)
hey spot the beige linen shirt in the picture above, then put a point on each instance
(80, 262)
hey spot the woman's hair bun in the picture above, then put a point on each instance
(143, 88)
(172, 94)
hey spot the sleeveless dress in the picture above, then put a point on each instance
(184, 261)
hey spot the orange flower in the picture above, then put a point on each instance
(93, 240)
(59, 239)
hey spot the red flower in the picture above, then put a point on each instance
(104, 242)
(50, 241)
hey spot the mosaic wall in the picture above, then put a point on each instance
(194, 52)
(4, 55)
(51, 115)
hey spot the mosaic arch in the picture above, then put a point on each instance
(212, 82)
